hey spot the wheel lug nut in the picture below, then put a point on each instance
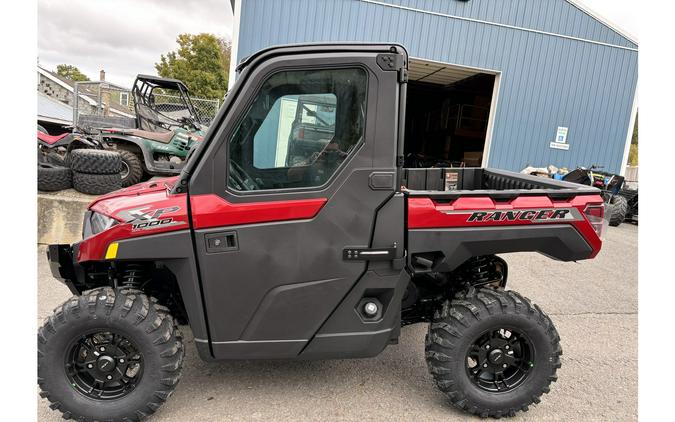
(487, 347)
(485, 365)
(109, 377)
(121, 360)
(506, 347)
(504, 365)
(102, 349)
(90, 366)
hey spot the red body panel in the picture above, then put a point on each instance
(214, 211)
(207, 211)
(95, 247)
(425, 213)
(134, 196)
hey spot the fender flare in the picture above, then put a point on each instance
(150, 165)
(124, 138)
(450, 247)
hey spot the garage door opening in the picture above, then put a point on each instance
(448, 115)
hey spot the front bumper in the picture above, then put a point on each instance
(63, 264)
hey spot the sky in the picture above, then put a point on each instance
(619, 12)
(127, 37)
(123, 37)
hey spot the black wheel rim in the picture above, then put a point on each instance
(500, 360)
(104, 365)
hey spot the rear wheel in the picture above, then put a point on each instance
(132, 169)
(618, 209)
(113, 355)
(492, 352)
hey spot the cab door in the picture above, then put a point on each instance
(285, 194)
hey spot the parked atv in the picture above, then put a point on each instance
(165, 130)
(54, 152)
(56, 149)
(610, 185)
(72, 160)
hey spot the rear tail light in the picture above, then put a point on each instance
(301, 133)
(595, 213)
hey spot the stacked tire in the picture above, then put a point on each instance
(52, 178)
(96, 172)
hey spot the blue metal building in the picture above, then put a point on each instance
(557, 82)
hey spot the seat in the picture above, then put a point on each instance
(51, 139)
(163, 137)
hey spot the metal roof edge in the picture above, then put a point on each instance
(51, 77)
(604, 21)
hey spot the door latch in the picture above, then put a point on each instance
(356, 253)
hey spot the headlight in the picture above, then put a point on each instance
(95, 223)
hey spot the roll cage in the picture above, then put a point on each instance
(159, 117)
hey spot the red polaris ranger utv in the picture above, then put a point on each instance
(294, 232)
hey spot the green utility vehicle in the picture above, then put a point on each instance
(167, 127)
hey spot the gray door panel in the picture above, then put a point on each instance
(305, 254)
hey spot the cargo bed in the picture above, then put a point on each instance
(456, 213)
(452, 183)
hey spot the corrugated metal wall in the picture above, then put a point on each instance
(559, 66)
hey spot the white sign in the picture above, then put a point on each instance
(561, 135)
(556, 145)
(561, 139)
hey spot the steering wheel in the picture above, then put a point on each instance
(329, 151)
(239, 179)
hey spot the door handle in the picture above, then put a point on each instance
(221, 242)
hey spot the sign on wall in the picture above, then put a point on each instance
(561, 139)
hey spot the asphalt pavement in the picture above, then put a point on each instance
(593, 304)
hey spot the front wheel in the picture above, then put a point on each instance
(618, 210)
(113, 355)
(492, 352)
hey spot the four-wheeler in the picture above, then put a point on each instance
(55, 149)
(267, 257)
(610, 185)
(167, 127)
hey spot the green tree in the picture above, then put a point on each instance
(201, 62)
(71, 72)
(633, 154)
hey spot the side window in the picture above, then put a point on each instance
(300, 127)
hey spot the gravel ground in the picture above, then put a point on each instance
(593, 304)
